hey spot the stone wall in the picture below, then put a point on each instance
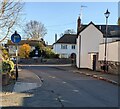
(45, 61)
(113, 67)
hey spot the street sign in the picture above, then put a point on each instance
(15, 38)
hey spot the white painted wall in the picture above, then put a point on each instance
(12, 49)
(91, 37)
(57, 49)
(109, 39)
(113, 51)
(90, 60)
(78, 52)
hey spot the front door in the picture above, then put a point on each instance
(94, 62)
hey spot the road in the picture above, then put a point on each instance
(63, 88)
(67, 89)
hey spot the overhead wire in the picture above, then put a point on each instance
(61, 25)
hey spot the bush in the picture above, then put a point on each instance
(7, 66)
(50, 54)
(12, 65)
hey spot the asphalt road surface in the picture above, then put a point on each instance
(60, 88)
(63, 88)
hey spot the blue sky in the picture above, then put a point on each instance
(60, 16)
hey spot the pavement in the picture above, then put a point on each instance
(111, 78)
(26, 81)
(13, 93)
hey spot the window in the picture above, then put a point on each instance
(63, 46)
(73, 46)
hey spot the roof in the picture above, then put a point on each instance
(113, 30)
(30, 42)
(111, 42)
(67, 39)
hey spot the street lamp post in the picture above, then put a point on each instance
(107, 13)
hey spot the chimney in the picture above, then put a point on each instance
(55, 37)
(78, 24)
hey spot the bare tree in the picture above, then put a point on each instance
(10, 11)
(119, 21)
(69, 31)
(35, 30)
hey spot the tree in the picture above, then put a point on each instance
(35, 30)
(119, 21)
(36, 52)
(24, 51)
(48, 53)
(68, 31)
(10, 11)
(5, 53)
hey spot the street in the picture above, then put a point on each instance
(59, 54)
(62, 88)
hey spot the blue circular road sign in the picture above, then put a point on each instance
(15, 38)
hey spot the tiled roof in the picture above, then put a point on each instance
(113, 30)
(67, 39)
(30, 42)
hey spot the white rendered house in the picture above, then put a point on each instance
(89, 37)
(88, 41)
(65, 46)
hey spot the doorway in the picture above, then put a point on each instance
(94, 62)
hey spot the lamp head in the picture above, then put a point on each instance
(107, 13)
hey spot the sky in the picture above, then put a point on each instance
(60, 16)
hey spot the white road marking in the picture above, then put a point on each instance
(52, 76)
(76, 90)
(64, 82)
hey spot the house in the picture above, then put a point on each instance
(88, 40)
(12, 47)
(89, 37)
(65, 46)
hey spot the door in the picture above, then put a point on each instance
(94, 62)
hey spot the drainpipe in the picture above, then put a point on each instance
(79, 50)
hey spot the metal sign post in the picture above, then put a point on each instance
(16, 38)
(16, 61)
